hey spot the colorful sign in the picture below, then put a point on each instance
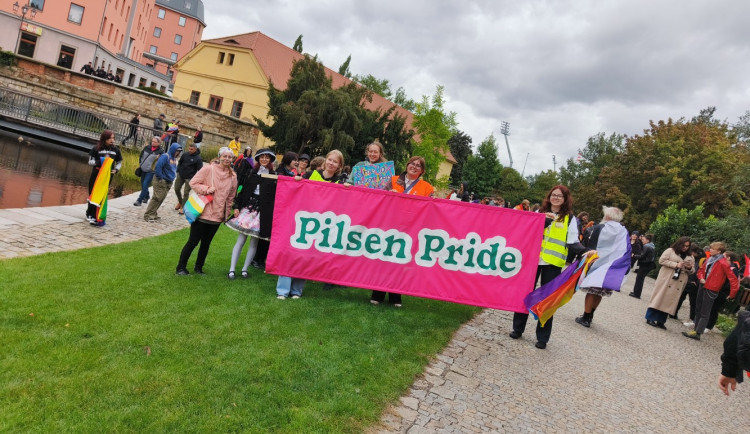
(374, 175)
(27, 27)
(425, 247)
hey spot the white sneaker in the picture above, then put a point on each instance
(688, 324)
(281, 297)
(706, 331)
(295, 297)
(374, 302)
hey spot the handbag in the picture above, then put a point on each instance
(138, 171)
(196, 203)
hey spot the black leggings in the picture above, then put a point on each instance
(200, 233)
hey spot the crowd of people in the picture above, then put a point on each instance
(706, 277)
(100, 72)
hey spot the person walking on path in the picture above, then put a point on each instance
(164, 172)
(610, 241)
(133, 133)
(147, 161)
(736, 356)
(220, 181)
(560, 235)
(712, 275)
(645, 264)
(190, 163)
(676, 266)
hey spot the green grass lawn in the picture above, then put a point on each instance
(110, 339)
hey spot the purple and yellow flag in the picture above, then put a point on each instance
(544, 302)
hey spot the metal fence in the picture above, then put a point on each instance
(65, 118)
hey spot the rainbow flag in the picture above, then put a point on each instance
(544, 302)
(100, 190)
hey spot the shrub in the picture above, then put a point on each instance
(7, 58)
(673, 223)
(152, 90)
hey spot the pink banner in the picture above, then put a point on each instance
(433, 248)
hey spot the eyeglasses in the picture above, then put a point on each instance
(415, 164)
(557, 196)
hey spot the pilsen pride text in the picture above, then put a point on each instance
(331, 233)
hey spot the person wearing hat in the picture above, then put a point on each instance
(246, 220)
(303, 163)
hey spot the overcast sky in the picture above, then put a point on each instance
(557, 71)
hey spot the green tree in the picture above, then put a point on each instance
(674, 223)
(483, 170)
(381, 87)
(309, 116)
(344, 68)
(512, 187)
(435, 127)
(460, 147)
(404, 101)
(298, 44)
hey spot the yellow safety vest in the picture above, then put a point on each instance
(554, 245)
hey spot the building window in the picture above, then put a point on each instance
(194, 97)
(188, 5)
(152, 85)
(173, 56)
(236, 109)
(27, 45)
(39, 4)
(214, 103)
(230, 61)
(161, 14)
(142, 82)
(182, 21)
(162, 89)
(178, 39)
(76, 13)
(220, 59)
(157, 32)
(65, 59)
(152, 50)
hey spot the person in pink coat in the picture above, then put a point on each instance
(220, 181)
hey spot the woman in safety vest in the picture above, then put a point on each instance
(409, 182)
(560, 234)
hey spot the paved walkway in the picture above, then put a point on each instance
(620, 375)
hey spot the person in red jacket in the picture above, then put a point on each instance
(712, 275)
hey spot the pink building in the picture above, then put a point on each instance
(112, 34)
(176, 29)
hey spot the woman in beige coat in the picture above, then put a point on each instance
(676, 265)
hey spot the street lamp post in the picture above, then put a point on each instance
(24, 10)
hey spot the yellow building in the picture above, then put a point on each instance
(232, 75)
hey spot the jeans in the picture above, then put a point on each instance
(287, 286)
(146, 178)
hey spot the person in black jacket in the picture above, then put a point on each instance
(736, 356)
(246, 219)
(190, 163)
(133, 129)
(645, 264)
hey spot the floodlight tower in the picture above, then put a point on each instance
(505, 130)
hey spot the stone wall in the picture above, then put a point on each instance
(96, 95)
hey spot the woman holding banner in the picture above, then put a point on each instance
(560, 235)
(96, 212)
(375, 154)
(246, 218)
(331, 172)
(408, 182)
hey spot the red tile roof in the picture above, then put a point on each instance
(277, 60)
